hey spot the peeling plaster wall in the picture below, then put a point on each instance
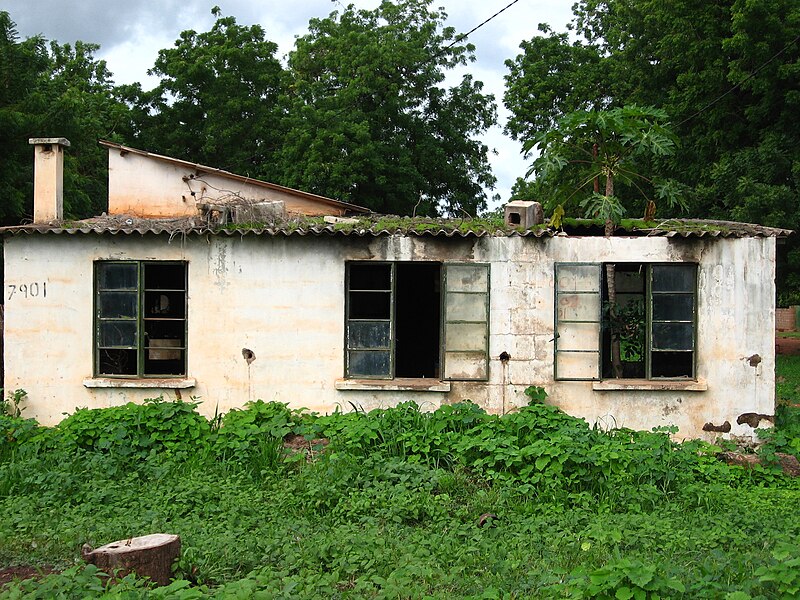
(283, 299)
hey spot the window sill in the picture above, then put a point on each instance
(393, 385)
(113, 382)
(689, 385)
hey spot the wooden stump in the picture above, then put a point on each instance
(147, 556)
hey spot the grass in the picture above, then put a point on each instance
(787, 379)
(396, 505)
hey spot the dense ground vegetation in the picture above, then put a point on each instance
(397, 503)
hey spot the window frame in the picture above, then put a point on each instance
(649, 321)
(442, 349)
(140, 319)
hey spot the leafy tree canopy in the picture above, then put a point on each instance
(594, 157)
(370, 120)
(217, 101)
(727, 73)
(59, 91)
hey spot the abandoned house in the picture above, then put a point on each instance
(198, 283)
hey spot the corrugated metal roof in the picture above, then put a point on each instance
(382, 225)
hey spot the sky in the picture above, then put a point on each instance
(131, 32)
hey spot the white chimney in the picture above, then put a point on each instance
(48, 178)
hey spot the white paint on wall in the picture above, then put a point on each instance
(284, 299)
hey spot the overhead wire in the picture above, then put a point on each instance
(458, 39)
(741, 83)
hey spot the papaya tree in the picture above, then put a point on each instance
(597, 158)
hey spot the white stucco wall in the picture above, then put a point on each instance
(283, 298)
(145, 186)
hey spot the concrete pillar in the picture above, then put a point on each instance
(48, 178)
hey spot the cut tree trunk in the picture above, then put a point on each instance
(147, 556)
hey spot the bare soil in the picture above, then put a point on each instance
(9, 574)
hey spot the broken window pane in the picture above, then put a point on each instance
(118, 304)
(369, 334)
(118, 333)
(117, 276)
(370, 305)
(165, 329)
(466, 307)
(165, 276)
(370, 277)
(672, 364)
(166, 304)
(363, 363)
(117, 362)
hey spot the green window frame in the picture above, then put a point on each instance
(371, 316)
(140, 312)
(670, 294)
(578, 327)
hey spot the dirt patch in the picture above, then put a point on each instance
(787, 346)
(9, 574)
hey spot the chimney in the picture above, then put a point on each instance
(48, 178)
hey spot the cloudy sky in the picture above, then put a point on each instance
(131, 32)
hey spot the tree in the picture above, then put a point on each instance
(21, 64)
(727, 73)
(608, 148)
(603, 147)
(54, 91)
(370, 121)
(217, 101)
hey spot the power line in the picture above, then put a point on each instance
(741, 83)
(464, 36)
(459, 38)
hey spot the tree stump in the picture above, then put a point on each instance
(147, 556)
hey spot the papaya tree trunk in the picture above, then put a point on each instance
(616, 354)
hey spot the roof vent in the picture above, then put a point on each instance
(524, 214)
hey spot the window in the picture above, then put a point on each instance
(417, 320)
(642, 326)
(140, 319)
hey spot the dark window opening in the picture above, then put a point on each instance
(140, 318)
(627, 316)
(417, 324)
(514, 218)
(393, 320)
(401, 323)
(654, 318)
